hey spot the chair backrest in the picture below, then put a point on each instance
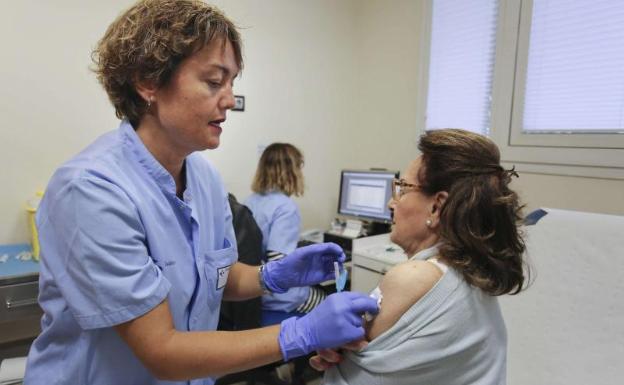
(248, 314)
(244, 314)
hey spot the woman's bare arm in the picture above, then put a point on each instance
(401, 288)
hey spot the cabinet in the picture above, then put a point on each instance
(371, 258)
(20, 313)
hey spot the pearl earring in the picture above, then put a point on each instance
(149, 102)
(428, 222)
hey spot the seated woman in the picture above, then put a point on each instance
(278, 176)
(440, 322)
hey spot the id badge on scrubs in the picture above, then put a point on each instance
(222, 276)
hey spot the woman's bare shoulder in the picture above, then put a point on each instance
(401, 288)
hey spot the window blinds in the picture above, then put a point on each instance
(575, 70)
(463, 40)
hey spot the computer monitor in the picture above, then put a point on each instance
(365, 194)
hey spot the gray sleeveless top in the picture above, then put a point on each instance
(455, 334)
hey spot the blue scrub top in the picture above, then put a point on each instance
(116, 241)
(278, 217)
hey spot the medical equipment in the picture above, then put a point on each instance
(375, 294)
(340, 275)
(31, 208)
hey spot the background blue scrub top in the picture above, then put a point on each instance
(116, 241)
(278, 217)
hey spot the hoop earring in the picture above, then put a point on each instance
(428, 222)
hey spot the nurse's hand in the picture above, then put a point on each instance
(303, 267)
(327, 358)
(333, 323)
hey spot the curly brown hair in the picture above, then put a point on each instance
(279, 169)
(149, 41)
(479, 221)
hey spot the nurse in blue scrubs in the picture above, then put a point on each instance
(278, 177)
(136, 231)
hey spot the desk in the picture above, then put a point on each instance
(371, 258)
(20, 313)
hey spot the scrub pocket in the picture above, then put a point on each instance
(163, 264)
(217, 266)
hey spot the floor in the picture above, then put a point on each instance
(284, 373)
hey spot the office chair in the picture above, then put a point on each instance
(248, 314)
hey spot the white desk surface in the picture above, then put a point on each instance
(379, 248)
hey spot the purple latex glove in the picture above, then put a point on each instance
(303, 267)
(334, 322)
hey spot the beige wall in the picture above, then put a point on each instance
(337, 78)
(51, 105)
(387, 63)
(299, 84)
(571, 193)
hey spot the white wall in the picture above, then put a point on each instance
(299, 83)
(51, 105)
(299, 86)
(387, 64)
(572, 193)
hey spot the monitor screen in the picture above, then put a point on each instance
(365, 194)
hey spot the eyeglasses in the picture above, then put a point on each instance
(401, 187)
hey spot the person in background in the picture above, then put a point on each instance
(136, 232)
(278, 177)
(440, 322)
(243, 315)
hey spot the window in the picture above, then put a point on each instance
(575, 70)
(570, 75)
(463, 41)
(549, 91)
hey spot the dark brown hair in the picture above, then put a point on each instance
(149, 41)
(479, 222)
(279, 169)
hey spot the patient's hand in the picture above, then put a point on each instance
(401, 288)
(326, 358)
